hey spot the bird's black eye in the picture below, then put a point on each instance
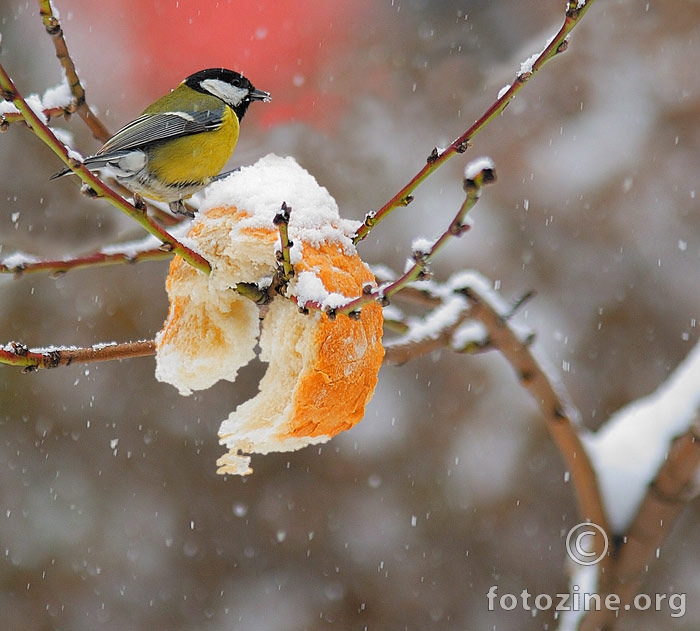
(236, 82)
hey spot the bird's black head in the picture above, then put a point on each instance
(229, 86)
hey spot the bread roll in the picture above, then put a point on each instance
(321, 372)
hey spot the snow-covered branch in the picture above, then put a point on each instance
(17, 354)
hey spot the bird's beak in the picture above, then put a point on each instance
(260, 95)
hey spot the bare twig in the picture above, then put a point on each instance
(478, 174)
(472, 186)
(281, 220)
(53, 28)
(16, 354)
(405, 349)
(574, 12)
(59, 267)
(16, 117)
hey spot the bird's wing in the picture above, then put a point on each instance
(150, 128)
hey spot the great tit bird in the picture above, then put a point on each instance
(182, 141)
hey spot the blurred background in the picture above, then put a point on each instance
(112, 516)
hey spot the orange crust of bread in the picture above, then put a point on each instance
(331, 396)
(330, 366)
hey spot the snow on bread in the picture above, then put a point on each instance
(321, 372)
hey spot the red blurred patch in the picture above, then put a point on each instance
(284, 46)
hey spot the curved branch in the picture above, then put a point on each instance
(560, 415)
(483, 307)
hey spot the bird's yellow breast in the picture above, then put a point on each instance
(198, 157)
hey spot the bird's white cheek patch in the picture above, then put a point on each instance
(225, 91)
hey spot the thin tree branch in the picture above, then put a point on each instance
(50, 113)
(404, 349)
(281, 220)
(574, 12)
(485, 174)
(560, 415)
(53, 28)
(20, 264)
(17, 354)
(478, 173)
